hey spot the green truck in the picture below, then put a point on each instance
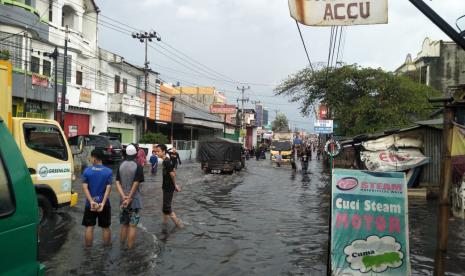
(19, 213)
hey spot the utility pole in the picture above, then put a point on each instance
(172, 99)
(446, 180)
(63, 86)
(26, 54)
(242, 100)
(54, 55)
(146, 37)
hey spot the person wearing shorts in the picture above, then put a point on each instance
(128, 178)
(96, 184)
(169, 186)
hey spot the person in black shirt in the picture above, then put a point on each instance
(169, 186)
(174, 156)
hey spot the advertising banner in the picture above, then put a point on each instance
(339, 12)
(393, 160)
(59, 102)
(85, 96)
(39, 80)
(323, 126)
(369, 225)
(223, 109)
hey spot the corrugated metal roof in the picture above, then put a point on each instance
(196, 113)
(430, 122)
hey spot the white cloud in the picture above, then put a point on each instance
(189, 12)
(155, 3)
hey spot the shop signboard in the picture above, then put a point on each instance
(39, 80)
(369, 223)
(223, 109)
(85, 95)
(323, 126)
(59, 103)
(72, 131)
(339, 12)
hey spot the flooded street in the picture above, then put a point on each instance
(261, 221)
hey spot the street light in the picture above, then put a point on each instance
(146, 37)
(172, 99)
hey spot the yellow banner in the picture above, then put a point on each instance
(458, 141)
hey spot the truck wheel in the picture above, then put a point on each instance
(45, 208)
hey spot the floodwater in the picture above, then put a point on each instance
(261, 221)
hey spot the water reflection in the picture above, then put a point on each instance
(262, 221)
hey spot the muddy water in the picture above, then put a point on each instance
(262, 221)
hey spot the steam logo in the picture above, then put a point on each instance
(374, 254)
(347, 183)
(43, 171)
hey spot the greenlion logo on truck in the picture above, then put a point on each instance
(54, 171)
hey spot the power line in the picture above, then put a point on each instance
(339, 46)
(334, 45)
(305, 47)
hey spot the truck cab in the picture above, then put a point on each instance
(43, 146)
(19, 221)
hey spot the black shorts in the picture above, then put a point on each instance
(104, 217)
(167, 199)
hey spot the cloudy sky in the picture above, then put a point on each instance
(257, 42)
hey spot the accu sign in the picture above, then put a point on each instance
(339, 12)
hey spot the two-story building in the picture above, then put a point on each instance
(439, 64)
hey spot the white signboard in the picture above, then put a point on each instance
(59, 102)
(323, 126)
(339, 12)
(53, 171)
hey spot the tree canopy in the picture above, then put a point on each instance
(280, 123)
(360, 100)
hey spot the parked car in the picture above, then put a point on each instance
(116, 149)
(101, 142)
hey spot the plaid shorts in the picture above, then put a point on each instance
(129, 216)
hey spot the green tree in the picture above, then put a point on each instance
(280, 123)
(4, 55)
(154, 138)
(361, 100)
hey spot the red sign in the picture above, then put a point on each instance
(323, 112)
(39, 80)
(223, 109)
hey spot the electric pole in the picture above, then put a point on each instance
(54, 55)
(242, 100)
(146, 37)
(26, 54)
(63, 86)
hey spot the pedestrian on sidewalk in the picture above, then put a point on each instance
(154, 162)
(128, 178)
(174, 156)
(169, 186)
(96, 184)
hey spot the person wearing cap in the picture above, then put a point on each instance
(128, 178)
(96, 184)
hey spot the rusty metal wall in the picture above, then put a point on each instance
(430, 175)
